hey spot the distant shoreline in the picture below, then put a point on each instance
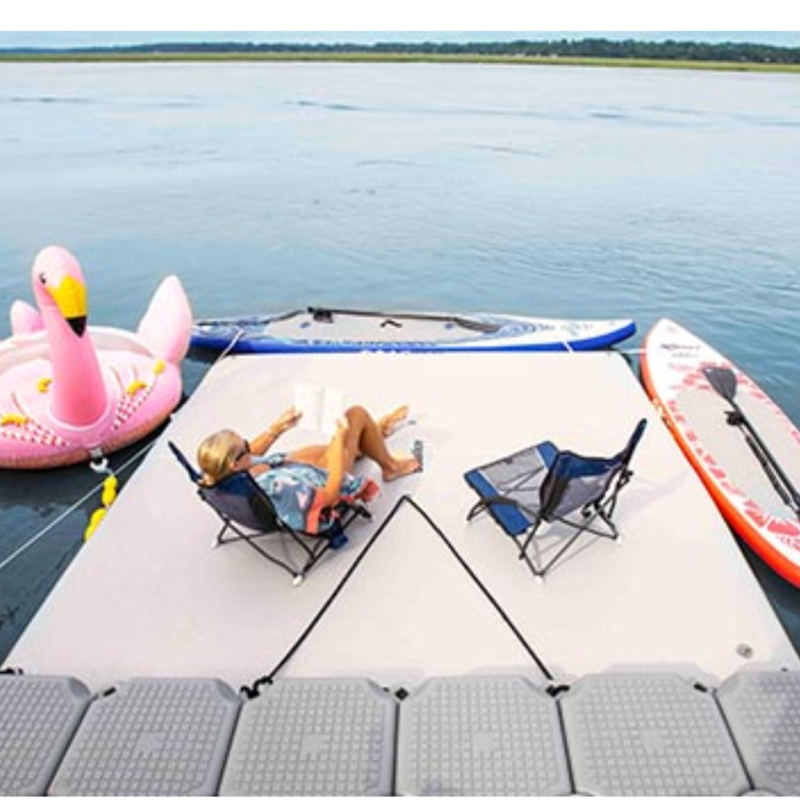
(389, 57)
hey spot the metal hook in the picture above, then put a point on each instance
(99, 462)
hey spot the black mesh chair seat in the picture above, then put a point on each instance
(247, 514)
(542, 484)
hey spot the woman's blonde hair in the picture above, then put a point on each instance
(217, 455)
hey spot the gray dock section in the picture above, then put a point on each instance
(314, 737)
(481, 736)
(38, 716)
(763, 711)
(623, 734)
(151, 737)
(648, 734)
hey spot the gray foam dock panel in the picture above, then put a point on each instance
(648, 734)
(481, 736)
(314, 737)
(38, 716)
(151, 737)
(763, 712)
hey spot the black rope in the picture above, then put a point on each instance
(253, 691)
(486, 593)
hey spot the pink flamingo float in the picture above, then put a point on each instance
(70, 392)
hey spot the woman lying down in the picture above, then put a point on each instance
(304, 482)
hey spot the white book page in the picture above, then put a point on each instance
(320, 406)
(332, 409)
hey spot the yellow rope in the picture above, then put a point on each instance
(108, 496)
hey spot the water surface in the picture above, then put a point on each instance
(559, 191)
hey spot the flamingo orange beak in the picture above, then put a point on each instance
(70, 297)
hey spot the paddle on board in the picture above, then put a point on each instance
(723, 381)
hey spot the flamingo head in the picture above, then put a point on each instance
(59, 288)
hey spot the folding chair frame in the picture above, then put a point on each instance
(312, 546)
(551, 492)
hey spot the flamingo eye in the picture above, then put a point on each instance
(43, 278)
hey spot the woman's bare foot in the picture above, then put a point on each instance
(402, 466)
(405, 465)
(389, 423)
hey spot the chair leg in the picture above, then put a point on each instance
(248, 539)
(220, 537)
(312, 552)
(538, 574)
(589, 514)
(524, 546)
(478, 508)
(540, 571)
(531, 532)
(604, 514)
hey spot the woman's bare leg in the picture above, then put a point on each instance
(310, 454)
(316, 453)
(390, 422)
(365, 437)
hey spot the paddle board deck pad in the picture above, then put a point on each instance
(321, 330)
(673, 364)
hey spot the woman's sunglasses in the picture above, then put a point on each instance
(244, 452)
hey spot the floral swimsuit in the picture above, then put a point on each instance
(296, 492)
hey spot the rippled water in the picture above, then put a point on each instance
(537, 190)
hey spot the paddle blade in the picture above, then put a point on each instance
(722, 380)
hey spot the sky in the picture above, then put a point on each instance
(54, 23)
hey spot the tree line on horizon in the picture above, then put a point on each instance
(668, 50)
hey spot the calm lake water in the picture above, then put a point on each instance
(556, 191)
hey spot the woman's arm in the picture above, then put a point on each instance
(335, 463)
(265, 440)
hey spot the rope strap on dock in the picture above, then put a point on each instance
(254, 690)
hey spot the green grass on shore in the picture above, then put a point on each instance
(434, 58)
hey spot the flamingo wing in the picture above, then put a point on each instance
(24, 318)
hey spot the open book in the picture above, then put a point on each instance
(320, 405)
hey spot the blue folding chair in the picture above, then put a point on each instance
(542, 484)
(248, 514)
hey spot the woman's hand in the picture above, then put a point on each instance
(287, 420)
(342, 426)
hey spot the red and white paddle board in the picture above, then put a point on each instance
(672, 365)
